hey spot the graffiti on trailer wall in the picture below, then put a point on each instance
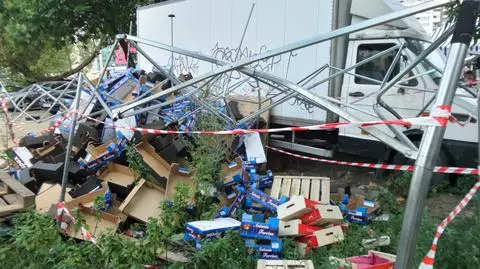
(229, 54)
(182, 63)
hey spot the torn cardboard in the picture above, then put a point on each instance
(157, 163)
(179, 175)
(144, 201)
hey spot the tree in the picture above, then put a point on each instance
(32, 31)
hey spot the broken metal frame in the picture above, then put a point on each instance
(323, 102)
(433, 136)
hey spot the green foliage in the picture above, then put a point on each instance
(79, 220)
(208, 151)
(400, 185)
(33, 31)
(464, 184)
(34, 231)
(137, 165)
(226, 252)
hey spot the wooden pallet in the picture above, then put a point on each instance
(14, 196)
(284, 264)
(314, 188)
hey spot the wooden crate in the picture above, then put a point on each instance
(15, 197)
(284, 264)
(313, 188)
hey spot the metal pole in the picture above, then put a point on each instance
(432, 138)
(171, 16)
(66, 164)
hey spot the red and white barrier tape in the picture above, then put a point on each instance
(440, 117)
(61, 211)
(436, 169)
(39, 133)
(7, 117)
(429, 259)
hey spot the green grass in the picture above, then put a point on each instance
(35, 241)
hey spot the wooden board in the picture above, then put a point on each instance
(277, 184)
(314, 188)
(19, 197)
(144, 201)
(305, 191)
(3, 188)
(285, 189)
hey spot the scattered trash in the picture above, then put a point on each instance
(372, 243)
(106, 191)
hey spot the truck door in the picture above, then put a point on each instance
(362, 84)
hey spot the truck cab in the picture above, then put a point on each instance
(411, 98)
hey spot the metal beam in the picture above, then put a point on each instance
(432, 138)
(287, 48)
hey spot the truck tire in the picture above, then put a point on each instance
(437, 178)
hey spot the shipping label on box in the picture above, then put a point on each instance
(296, 207)
(296, 228)
(252, 229)
(323, 214)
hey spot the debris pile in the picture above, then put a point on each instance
(106, 190)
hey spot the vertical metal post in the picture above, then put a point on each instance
(171, 16)
(128, 45)
(66, 164)
(432, 138)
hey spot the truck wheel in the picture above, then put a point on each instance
(437, 178)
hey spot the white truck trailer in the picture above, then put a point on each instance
(234, 30)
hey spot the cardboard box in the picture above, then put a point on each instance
(323, 237)
(96, 225)
(33, 141)
(157, 163)
(119, 178)
(178, 175)
(264, 199)
(323, 214)
(199, 230)
(48, 196)
(269, 251)
(144, 201)
(87, 199)
(284, 264)
(374, 260)
(47, 172)
(296, 228)
(296, 207)
(91, 184)
(253, 229)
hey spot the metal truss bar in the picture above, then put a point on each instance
(287, 48)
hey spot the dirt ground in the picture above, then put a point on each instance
(438, 205)
(25, 126)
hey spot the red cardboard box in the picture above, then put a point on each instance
(323, 214)
(296, 228)
(323, 237)
(295, 207)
